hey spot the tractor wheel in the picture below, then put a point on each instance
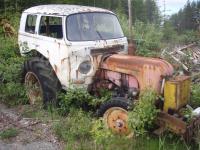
(40, 81)
(115, 115)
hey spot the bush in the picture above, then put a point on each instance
(188, 37)
(123, 22)
(12, 91)
(75, 129)
(100, 132)
(169, 33)
(143, 115)
(195, 95)
(148, 38)
(80, 98)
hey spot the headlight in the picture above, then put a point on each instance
(85, 67)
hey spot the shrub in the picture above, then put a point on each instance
(123, 22)
(143, 115)
(169, 33)
(77, 125)
(75, 129)
(148, 38)
(188, 37)
(80, 98)
(12, 91)
(195, 95)
(100, 132)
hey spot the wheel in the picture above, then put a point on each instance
(115, 115)
(40, 81)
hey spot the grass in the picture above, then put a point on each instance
(9, 133)
(75, 131)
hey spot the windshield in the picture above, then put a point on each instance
(93, 26)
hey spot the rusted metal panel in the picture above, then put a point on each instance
(176, 93)
(172, 123)
(107, 50)
(176, 124)
(121, 80)
(147, 71)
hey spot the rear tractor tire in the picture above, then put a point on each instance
(115, 115)
(40, 81)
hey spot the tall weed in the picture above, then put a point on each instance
(143, 115)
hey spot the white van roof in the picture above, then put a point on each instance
(63, 9)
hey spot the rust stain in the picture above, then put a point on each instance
(76, 74)
(59, 45)
(79, 82)
(69, 66)
(48, 54)
(62, 60)
(107, 49)
(171, 123)
(147, 71)
(56, 69)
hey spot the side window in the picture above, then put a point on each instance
(30, 23)
(51, 27)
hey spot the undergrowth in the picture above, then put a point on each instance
(12, 91)
(80, 98)
(143, 115)
(195, 95)
(9, 133)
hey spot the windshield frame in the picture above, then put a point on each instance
(66, 34)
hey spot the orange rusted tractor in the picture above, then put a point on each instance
(127, 75)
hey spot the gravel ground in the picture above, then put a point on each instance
(32, 133)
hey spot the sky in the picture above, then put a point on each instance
(172, 6)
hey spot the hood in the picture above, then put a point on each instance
(147, 71)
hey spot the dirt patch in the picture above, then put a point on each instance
(30, 133)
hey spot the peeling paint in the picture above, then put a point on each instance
(66, 56)
(56, 69)
(63, 9)
(147, 71)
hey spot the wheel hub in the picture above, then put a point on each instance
(116, 119)
(33, 88)
(119, 123)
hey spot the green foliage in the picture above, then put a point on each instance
(123, 19)
(195, 95)
(185, 19)
(148, 38)
(76, 126)
(12, 91)
(169, 33)
(143, 115)
(100, 132)
(80, 98)
(188, 36)
(144, 10)
(9, 133)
